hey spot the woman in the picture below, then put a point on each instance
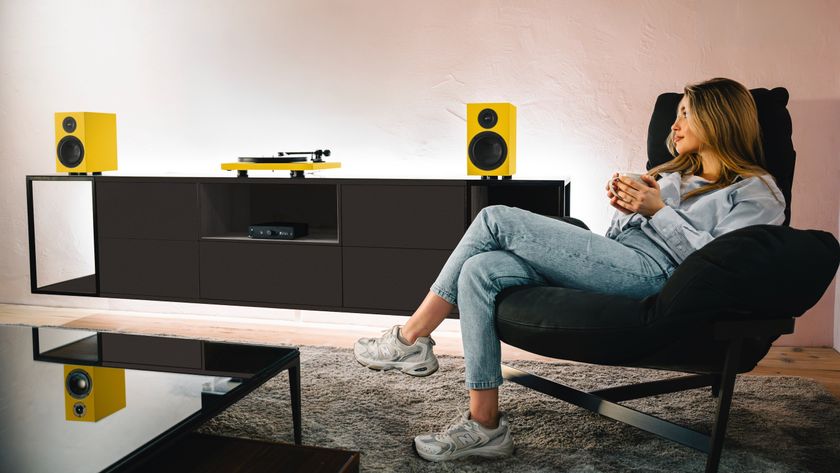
(715, 184)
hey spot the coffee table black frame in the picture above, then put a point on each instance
(252, 364)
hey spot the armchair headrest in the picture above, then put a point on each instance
(776, 130)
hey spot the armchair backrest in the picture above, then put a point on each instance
(776, 130)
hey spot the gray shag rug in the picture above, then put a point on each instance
(776, 424)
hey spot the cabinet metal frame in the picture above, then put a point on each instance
(30, 214)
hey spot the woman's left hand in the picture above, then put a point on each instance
(641, 198)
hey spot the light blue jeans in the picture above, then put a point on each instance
(508, 246)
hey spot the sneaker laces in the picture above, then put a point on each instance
(384, 343)
(376, 340)
(460, 420)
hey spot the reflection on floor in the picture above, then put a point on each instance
(819, 364)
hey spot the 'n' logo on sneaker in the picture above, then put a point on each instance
(464, 439)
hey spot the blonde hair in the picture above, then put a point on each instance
(723, 115)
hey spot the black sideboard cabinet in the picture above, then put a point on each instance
(374, 245)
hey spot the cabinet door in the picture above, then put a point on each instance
(432, 217)
(271, 272)
(154, 268)
(166, 211)
(389, 278)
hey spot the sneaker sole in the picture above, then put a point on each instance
(411, 369)
(506, 451)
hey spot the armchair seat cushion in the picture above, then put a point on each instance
(758, 272)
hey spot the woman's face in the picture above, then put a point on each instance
(685, 141)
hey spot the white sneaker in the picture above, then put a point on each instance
(466, 438)
(388, 352)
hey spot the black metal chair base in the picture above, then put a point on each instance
(605, 401)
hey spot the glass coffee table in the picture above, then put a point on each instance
(78, 401)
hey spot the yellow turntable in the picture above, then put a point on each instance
(296, 162)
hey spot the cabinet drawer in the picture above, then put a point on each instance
(149, 267)
(147, 210)
(432, 217)
(389, 278)
(268, 272)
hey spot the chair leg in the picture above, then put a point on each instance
(727, 385)
(599, 405)
(715, 385)
(653, 388)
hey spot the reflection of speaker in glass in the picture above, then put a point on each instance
(92, 393)
(85, 142)
(491, 139)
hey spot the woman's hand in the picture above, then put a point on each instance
(611, 195)
(636, 197)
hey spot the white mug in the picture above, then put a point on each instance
(632, 175)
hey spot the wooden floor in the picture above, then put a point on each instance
(819, 364)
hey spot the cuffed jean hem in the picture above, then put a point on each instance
(444, 295)
(485, 384)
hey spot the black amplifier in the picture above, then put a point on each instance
(278, 230)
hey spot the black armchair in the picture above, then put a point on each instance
(716, 316)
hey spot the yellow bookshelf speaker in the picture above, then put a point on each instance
(92, 393)
(491, 139)
(85, 142)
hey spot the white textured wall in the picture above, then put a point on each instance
(384, 83)
(63, 230)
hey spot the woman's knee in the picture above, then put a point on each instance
(497, 212)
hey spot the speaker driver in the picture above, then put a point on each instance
(488, 118)
(79, 384)
(487, 150)
(71, 151)
(69, 124)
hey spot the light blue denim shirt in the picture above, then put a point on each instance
(684, 226)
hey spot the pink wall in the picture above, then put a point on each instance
(384, 83)
(815, 199)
